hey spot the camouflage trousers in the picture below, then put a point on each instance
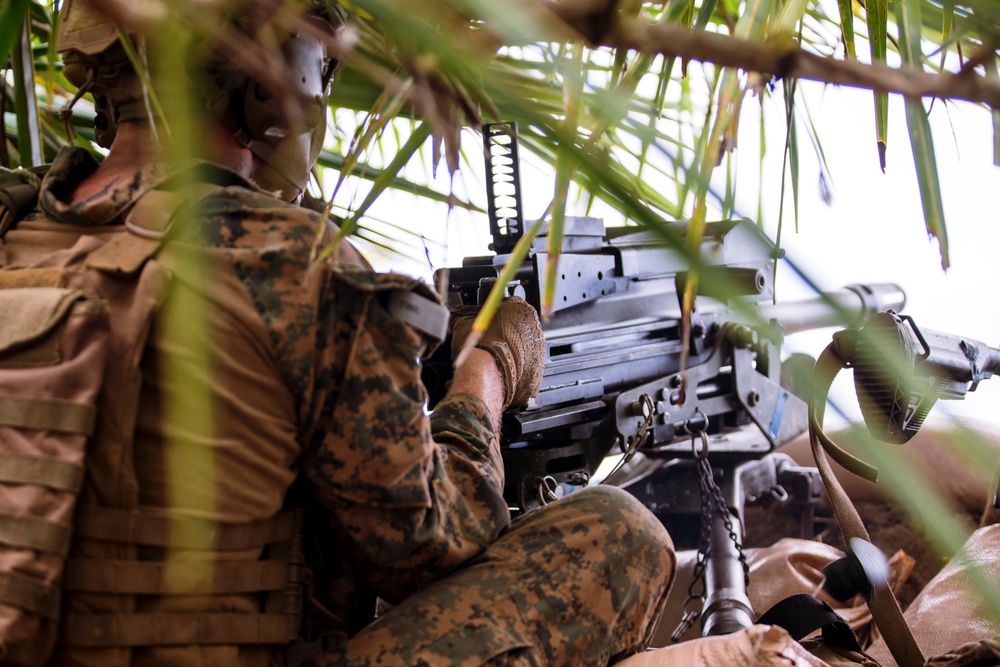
(577, 583)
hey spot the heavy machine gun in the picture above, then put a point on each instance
(624, 375)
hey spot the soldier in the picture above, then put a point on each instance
(245, 381)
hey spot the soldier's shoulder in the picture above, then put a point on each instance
(238, 215)
(241, 196)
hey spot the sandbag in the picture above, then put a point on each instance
(948, 612)
(756, 646)
(788, 567)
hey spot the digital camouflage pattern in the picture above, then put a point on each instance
(311, 378)
(580, 582)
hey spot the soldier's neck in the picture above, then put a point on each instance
(134, 148)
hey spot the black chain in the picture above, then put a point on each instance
(710, 488)
(641, 435)
(712, 501)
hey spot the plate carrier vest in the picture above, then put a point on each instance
(73, 329)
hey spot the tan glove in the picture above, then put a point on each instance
(515, 340)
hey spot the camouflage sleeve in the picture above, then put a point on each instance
(412, 495)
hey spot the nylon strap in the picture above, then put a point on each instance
(161, 530)
(884, 606)
(49, 276)
(35, 533)
(174, 629)
(44, 471)
(423, 314)
(125, 254)
(147, 223)
(162, 578)
(29, 594)
(52, 414)
(803, 614)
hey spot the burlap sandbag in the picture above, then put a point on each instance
(788, 567)
(949, 612)
(756, 646)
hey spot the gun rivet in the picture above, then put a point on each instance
(752, 398)
(640, 408)
(661, 407)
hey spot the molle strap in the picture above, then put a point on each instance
(50, 414)
(161, 530)
(29, 594)
(178, 578)
(57, 474)
(35, 277)
(175, 629)
(284, 572)
(35, 533)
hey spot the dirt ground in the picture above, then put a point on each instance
(888, 526)
(936, 453)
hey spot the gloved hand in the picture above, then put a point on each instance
(515, 340)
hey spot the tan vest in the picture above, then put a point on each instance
(94, 497)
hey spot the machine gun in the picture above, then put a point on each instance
(622, 376)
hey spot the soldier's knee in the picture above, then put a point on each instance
(638, 559)
(625, 528)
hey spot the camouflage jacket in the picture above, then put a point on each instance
(307, 376)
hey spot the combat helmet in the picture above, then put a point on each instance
(264, 72)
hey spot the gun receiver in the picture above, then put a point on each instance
(614, 347)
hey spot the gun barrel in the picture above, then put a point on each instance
(849, 306)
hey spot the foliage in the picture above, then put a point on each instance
(634, 104)
(605, 85)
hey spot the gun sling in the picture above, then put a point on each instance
(883, 604)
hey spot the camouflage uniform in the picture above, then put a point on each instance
(310, 377)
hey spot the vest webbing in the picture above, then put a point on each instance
(27, 593)
(51, 338)
(147, 222)
(124, 256)
(97, 630)
(175, 629)
(157, 578)
(49, 413)
(162, 530)
(41, 470)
